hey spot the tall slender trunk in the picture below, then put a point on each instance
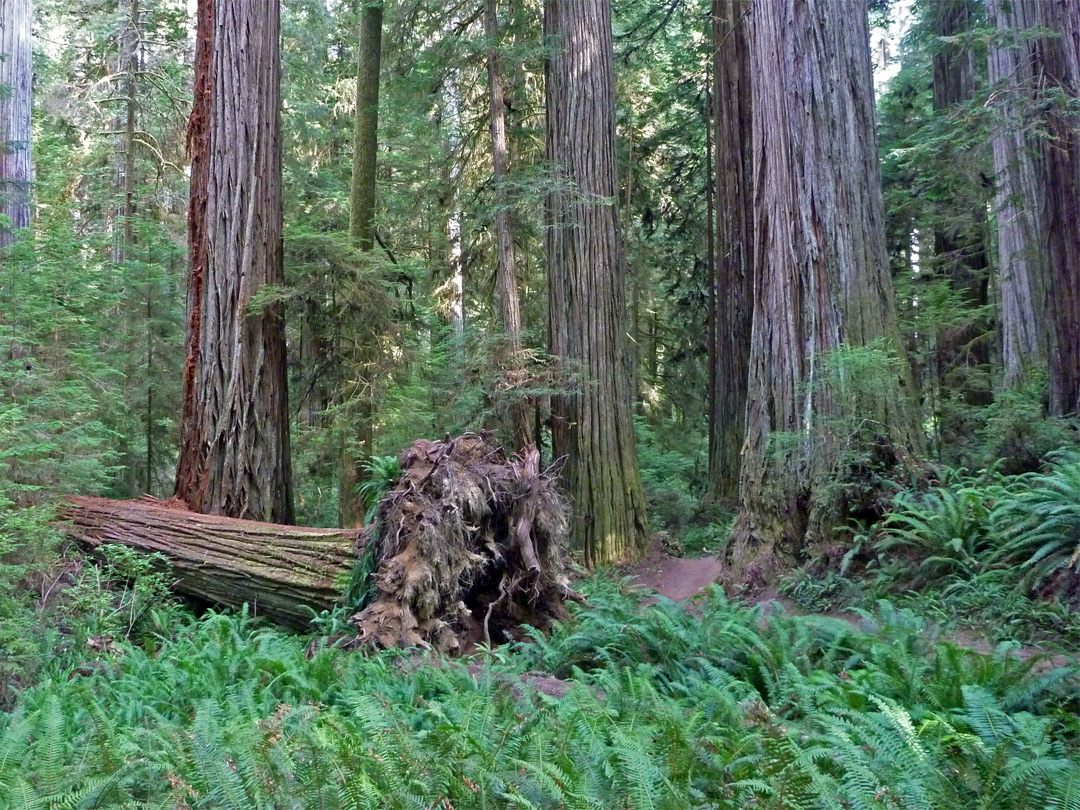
(592, 427)
(731, 290)
(16, 72)
(506, 277)
(357, 439)
(234, 430)
(131, 71)
(1037, 164)
(960, 250)
(827, 407)
(454, 288)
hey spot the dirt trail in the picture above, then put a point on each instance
(681, 578)
(677, 578)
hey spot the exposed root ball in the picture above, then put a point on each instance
(472, 546)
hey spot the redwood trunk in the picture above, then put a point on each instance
(960, 248)
(731, 290)
(822, 408)
(279, 571)
(1037, 162)
(591, 427)
(16, 71)
(506, 275)
(234, 433)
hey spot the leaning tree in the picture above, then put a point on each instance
(592, 426)
(234, 430)
(828, 405)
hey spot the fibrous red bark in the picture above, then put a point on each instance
(1037, 166)
(828, 395)
(732, 285)
(234, 430)
(592, 427)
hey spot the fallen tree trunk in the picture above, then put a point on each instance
(279, 571)
(470, 546)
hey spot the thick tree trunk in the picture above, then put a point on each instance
(16, 71)
(826, 406)
(473, 547)
(234, 431)
(592, 427)
(506, 277)
(731, 290)
(1037, 162)
(357, 439)
(279, 571)
(1062, 202)
(960, 250)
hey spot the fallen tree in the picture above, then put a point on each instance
(471, 545)
(468, 545)
(280, 572)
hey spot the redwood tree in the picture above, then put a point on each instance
(731, 288)
(16, 71)
(1037, 166)
(234, 433)
(506, 286)
(592, 425)
(959, 243)
(827, 402)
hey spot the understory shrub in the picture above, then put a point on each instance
(660, 707)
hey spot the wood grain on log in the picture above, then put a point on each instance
(280, 571)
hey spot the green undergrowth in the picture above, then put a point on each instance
(993, 552)
(665, 708)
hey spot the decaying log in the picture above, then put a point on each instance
(279, 571)
(469, 545)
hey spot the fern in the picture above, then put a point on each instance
(1039, 519)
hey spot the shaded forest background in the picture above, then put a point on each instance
(837, 331)
(94, 301)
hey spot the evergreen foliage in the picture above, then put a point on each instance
(661, 709)
(114, 696)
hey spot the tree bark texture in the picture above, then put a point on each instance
(822, 287)
(357, 439)
(506, 285)
(279, 571)
(234, 433)
(592, 426)
(731, 289)
(16, 72)
(960, 250)
(131, 39)
(1037, 163)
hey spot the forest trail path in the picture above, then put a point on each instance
(677, 578)
(682, 578)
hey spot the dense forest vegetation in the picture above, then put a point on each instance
(790, 285)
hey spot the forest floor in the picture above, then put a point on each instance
(682, 578)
